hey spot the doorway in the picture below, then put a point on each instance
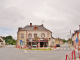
(41, 44)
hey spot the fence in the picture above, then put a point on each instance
(71, 55)
(79, 52)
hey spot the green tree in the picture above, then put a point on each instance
(9, 40)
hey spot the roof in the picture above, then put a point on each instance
(1, 39)
(31, 28)
(77, 30)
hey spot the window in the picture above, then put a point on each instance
(30, 35)
(22, 43)
(43, 35)
(35, 35)
(22, 36)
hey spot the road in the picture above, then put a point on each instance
(10, 53)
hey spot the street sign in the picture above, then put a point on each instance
(76, 40)
(30, 40)
(20, 40)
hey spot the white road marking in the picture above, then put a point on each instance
(61, 48)
(25, 51)
(64, 48)
(68, 48)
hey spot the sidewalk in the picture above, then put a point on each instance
(74, 49)
(77, 58)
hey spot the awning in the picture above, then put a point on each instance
(37, 41)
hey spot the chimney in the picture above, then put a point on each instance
(42, 25)
(79, 27)
(30, 24)
(19, 28)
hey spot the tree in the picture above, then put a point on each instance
(9, 40)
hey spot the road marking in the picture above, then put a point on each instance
(61, 48)
(25, 51)
(64, 48)
(68, 48)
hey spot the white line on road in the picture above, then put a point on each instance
(64, 48)
(61, 48)
(68, 48)
(25, 51)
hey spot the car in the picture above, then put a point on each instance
(57, 45)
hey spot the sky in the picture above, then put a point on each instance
(59, 16)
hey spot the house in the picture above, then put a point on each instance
(57, 41)
(2, 41)
(76, 35)
(52, 42)
(33, 35)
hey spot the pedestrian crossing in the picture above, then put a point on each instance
(6, 48)
(63, 48)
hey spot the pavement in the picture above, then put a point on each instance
(11, 53)
(77, 57)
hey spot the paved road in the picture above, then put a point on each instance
(10, 53)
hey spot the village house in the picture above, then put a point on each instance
(2, 41)
(33, 35)
(58, 41)
(76, 35)
(52, 42)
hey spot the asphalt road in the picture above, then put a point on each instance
(10, 53)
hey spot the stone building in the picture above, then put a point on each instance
(33, 35)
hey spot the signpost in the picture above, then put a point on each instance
(20, 43)
(78, 47)
(77, 40)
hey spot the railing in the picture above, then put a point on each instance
(71, 55)
(79, 52)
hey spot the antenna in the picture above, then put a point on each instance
(42, 21)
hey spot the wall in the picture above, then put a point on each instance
(26, 33)
(47, 34)
(19, 37)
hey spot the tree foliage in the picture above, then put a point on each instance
(9, 40)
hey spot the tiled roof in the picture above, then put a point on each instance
(31, 28)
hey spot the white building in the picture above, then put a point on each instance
(2, 41)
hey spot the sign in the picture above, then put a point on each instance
(20, 40)
(40, 39)
(30, 40)
(76, 40)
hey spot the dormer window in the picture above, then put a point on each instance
(35, 27)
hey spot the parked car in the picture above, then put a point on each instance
(57, 45)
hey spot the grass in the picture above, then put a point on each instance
(38, 49)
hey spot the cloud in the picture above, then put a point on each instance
(60, 16)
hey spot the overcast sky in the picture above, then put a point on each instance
(60, 16)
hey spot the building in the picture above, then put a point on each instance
(2, 41)
(57, 41)
(76, 35)
(52, 42)
(33, 35)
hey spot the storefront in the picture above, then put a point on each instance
(38, 43)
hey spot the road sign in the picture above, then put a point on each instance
(20, 40)
(77, 40)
